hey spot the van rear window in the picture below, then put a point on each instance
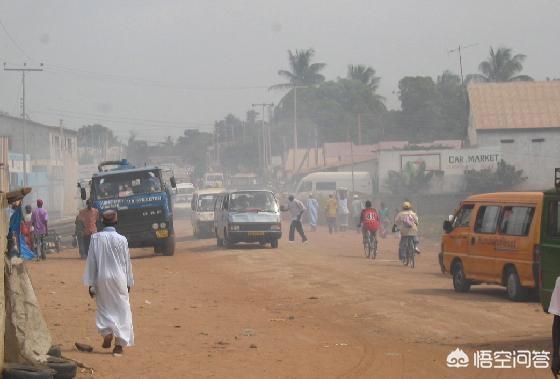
(516, 221)
(487, 219)
(325, 186)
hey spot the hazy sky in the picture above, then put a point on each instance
(157, 67)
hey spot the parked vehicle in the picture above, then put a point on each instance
(184, 196)
(202, 216)
(495, 238)
(550, 243)
(247, 216)
(327, 182)
(213, 180)
(142, 200)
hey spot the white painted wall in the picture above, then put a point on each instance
(537, 159)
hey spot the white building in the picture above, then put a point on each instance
(522, 120)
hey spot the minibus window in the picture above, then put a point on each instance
(516, 221)
(487, 219)
(463, 217)
(325, 186)
(554, 219)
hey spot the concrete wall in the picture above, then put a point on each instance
(535, 151)
(449, 164)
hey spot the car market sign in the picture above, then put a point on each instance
(472, 159)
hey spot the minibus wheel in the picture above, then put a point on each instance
(513, 286)
(460, 283)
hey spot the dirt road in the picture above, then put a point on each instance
(301, 311)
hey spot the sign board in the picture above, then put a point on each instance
(471, 159)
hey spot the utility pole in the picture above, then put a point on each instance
(264, 136)
(359, 128)
(23, 70)
(295, 126)
(458, 50)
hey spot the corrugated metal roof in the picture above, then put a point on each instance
(516, 105)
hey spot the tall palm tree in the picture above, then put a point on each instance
(303, 72)
(364, 74)
(501, 66)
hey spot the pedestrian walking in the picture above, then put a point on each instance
(357, 206)
(343, 211)
(27, 227)
(87, 219)
(313, 209)
(330, 211)
(108, 275)
(39, 220)
(296, 210)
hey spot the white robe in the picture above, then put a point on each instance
(109, 270)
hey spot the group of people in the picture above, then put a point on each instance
(32, 224)
(367, 219)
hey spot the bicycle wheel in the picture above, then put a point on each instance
(366, 248)
(411, 254)
(373, 247)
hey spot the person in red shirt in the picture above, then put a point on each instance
(369, 221)
(87, 218)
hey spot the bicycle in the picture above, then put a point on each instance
(370, 245)
(408, 258)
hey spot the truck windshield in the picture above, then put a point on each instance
(124, 185)
(206, 203)
(248, 201)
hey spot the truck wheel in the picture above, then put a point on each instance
(20, 371)
(168, 247)
(513, 285)
(63, 369)
(460, 283)
(274, 244)
(227, 241)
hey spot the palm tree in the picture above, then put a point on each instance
(303, 72)
(364, 74)
(501, 66)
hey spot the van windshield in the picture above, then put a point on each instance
(258, 201)
(206, 203)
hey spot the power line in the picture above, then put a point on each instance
(13, 41)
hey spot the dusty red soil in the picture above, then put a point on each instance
(301, 311)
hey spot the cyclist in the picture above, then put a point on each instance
(407, 222)
(369, 221)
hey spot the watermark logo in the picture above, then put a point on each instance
(457, 359)
(500, 359)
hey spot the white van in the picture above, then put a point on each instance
(183, 196)
(202, 216)
(327, 182)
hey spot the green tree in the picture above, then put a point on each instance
(501, 66)
(411, 180)
(366, 75)
(302, 71)
(97, 136)
(193, 146)
(505, 177)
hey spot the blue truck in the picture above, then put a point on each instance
(143, 202)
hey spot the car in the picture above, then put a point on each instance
(247, 216)
(183, 196)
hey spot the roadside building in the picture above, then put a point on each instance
(51, 162)
(522, 120)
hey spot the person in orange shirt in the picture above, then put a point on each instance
(88, 218)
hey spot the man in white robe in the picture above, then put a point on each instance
(108, 275)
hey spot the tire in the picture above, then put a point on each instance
(411, 255)
(219, 241)
(19, 371)
(374, 248)
(460, 283)
(168, 246)
(514, 289)
(274, 244)
(54, 351)
(64, 369)
(228, 244)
